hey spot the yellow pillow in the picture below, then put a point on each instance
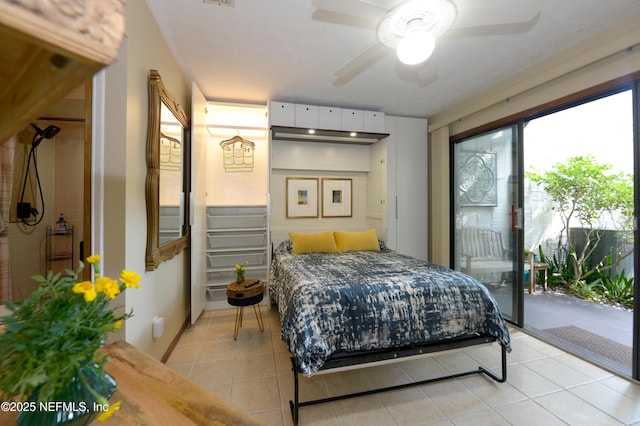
(357, 241)
(313, 242)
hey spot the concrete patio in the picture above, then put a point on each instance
(546, 310)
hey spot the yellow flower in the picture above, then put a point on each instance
(81, 287)
(112, 409)
(240, 268)
(73, 318)
(90, 295)
(108, 286)
(130, 279)
(86, 288)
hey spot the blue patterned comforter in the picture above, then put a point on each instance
(365, 300)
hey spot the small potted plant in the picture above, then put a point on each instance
(49, 347)
(240, 273)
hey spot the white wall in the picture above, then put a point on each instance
(164, 291)
(68, 189)
(317, 160)
(281, 225)
(237, 188)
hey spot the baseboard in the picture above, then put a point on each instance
(176, 339)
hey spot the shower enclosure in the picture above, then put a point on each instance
(41, 178)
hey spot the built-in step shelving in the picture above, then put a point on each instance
(235, 235)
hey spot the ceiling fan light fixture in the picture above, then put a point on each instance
(412, 28)
(434, 16)
(415, 47)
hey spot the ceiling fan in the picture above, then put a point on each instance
(411, 27)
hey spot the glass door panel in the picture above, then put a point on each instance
(585, 150)
(487, 215)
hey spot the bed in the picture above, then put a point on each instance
(344, 308)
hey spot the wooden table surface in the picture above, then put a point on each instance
(153, 394)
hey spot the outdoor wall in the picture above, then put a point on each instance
(494, 217)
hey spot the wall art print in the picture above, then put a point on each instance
(302, 197)
(478, 179)
(336, 197)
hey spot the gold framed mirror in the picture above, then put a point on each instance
(167, 172)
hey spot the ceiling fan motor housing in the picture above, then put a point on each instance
(432, 16)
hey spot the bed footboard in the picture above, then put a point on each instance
(349, 360)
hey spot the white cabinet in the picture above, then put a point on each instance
(377, 188)
(373, 121)
(236, 235)
(306, 116)
(401, 160)
(353, 120)
(329, 118)
(282, 114)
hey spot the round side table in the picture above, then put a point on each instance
(248, 293)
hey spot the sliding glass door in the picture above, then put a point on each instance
(488, 215)
(570, 176)
(578, 190)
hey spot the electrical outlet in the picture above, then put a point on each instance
(158, 327)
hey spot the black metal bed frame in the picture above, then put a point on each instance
(348, 359)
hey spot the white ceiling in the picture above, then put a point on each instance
(287, 50)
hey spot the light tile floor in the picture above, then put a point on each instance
(545, 386)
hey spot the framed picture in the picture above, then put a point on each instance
(302, 197)
(336, 197)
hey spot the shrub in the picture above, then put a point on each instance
(617, 290)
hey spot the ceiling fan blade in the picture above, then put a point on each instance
(341, 19)
(422, 75)
(472, 13)
(360, 9)
(360, 63)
